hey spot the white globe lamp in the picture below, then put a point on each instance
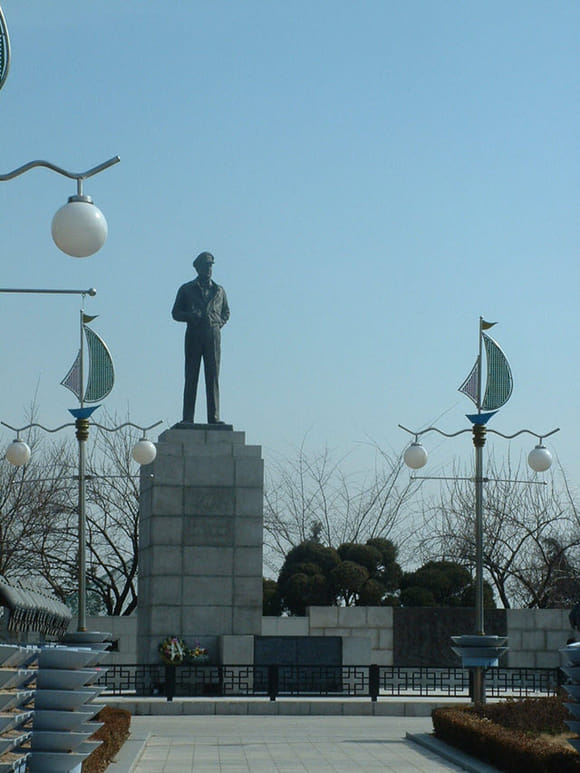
(540, 459)
(18, 453)
(415, 456)
(79, 228)
(144, 452)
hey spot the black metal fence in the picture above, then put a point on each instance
(374, 682)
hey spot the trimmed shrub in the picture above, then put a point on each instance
(529, 715)
(507, 749)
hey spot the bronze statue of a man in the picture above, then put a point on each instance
(203, 305)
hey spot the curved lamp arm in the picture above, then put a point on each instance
(18, 430)
(126, 424)
(434, 429)
(494, 431)
(539, 458)
(522, 431)
(78, 176)
(18, 453)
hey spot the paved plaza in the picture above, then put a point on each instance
(289, 744)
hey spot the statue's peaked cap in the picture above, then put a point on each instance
(203, 257)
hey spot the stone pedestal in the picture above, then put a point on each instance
(200, 541)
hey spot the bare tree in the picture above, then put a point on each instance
(529, 530)
(39, 519)
(113, 520)
(554, 580)
(35, 502)
(309, 496)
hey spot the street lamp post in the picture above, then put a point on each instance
(18, 454)
(498, 391)
(79, 228)
(100, 383)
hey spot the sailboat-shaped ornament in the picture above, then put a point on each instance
(499, 381)
(4, 50)
(101, 374)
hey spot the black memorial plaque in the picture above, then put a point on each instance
(306, 664)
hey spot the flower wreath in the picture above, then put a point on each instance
(198, 654)
(173, 651)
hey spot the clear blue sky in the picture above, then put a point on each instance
(371, 177)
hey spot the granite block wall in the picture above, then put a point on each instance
(366, 631)
(420, 637)
(535, 635)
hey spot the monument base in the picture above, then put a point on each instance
(200, 539)
(193, 425)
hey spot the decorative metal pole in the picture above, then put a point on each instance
(479, 441)
(82, 434)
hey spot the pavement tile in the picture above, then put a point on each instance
(279, 744)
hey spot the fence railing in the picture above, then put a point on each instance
(373, 682)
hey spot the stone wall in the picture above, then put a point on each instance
(369, 633)
(324, 621)
(536, 635)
